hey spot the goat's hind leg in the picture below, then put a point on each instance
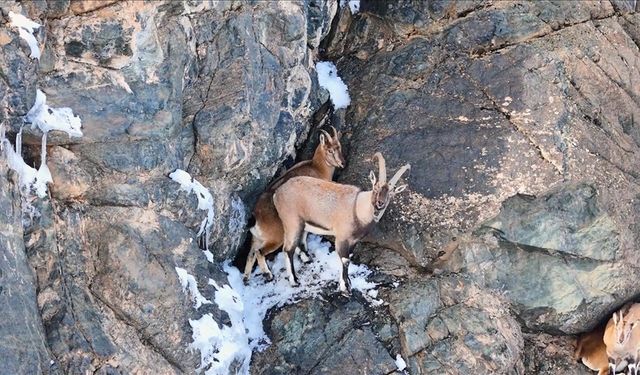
(251, 258)
(303, 252)
(343, 249)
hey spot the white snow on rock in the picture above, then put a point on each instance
(190, 284)
(47, 118)
(222, 346)
(400, 363)
(354, 5)
(328, 79)
(31, 181)
(205, 200)
(26, 27)
(260, 295)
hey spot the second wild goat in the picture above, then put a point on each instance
(268, 233)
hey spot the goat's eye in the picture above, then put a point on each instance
(330, 151)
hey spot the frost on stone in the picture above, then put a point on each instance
(328, 79)
(205, 200)
(400, 363)
(32, 182)
(237, 220)
(189, 284)
(47, 118)
(26, 28)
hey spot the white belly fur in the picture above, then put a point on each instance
(319, 231)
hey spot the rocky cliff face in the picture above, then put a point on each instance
(518, 229)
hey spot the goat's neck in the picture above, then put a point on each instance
(364, 207)
(319, 161)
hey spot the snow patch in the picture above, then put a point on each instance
(205, 200)
(190, 284)
(354, 5)
(209, 255)
(228, 349)
(328, 79)
(47, 118)
(260, 295)
(26, 28)
(30, 180)
(400, 363)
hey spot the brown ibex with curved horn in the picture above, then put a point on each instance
(329, 208)
(268, 233)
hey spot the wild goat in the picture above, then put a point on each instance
(268, 233)
(590, 348)
(329, 208)
(622, 339)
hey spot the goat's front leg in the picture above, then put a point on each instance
(343, 249)
(290, 245)
(632, 367)
(612, 366)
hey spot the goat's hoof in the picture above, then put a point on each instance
(268, 276)
(245, 280)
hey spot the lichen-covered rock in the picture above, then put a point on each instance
(23, 346)
(452, 326)
(488, 101)
(315, 337)
(557, 258)
(545, 355)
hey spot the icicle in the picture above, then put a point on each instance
(43, 150)
(19, 143)
(2, 137)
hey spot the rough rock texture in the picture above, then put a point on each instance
(489, 102)
(316, 337)
(452, 326)
(220, 89)
(23, 344)
(519, 227)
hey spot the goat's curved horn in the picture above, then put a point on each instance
(382, 169)
(326, 134)
(399, 173)
(335, 132)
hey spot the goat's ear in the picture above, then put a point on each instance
(372, 177)
(339, 135)
(399, 189)
(322, 139)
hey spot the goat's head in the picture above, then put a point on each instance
(332, 148)
(623, 327)
(383, 192)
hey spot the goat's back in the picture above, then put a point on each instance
(310, 199)
(303, 168)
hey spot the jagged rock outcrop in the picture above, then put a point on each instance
(23, 343)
